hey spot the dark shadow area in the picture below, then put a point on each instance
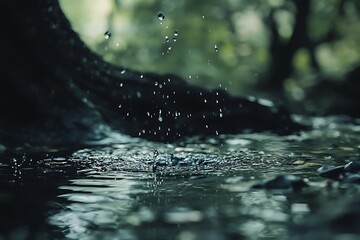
(56, 92)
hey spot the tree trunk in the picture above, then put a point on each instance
(55, 91)
(282, 53)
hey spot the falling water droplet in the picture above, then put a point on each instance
(123, 71)
(141, 76)
(216, 48)
(107, 34)
(160, 119)
(121, 84)
(161, 16)
(167, 39)
(176, 33)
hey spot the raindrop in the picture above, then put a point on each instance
(176, 33)
(169, 48)
(174, 39)
(160, 119)
(167, 39)
(138, 94)
(161, 16)
(123, 71)
(107, 34)
(203, 16)
(216, 48)
(141, 76)
(205, 101)
(119, 105)
(121, 84)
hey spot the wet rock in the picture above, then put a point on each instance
(283, 182)
(352, 178)
(332, 172)
(352, 167)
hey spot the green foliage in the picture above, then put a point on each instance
(218, 42)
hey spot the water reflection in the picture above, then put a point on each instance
(97, 203)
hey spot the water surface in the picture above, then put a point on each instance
(198, 188)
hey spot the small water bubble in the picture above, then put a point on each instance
(161, 16)
(119, 105)
(121, 84)
(141, 76)
(221, 115)
(169, 48)
(107, 35)
(174, 39)
(123, 71)
(203, 17)
(167, 39)
(156, 83)
(205, 101)
(216, 48)
(138, 94)
(176, 33)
